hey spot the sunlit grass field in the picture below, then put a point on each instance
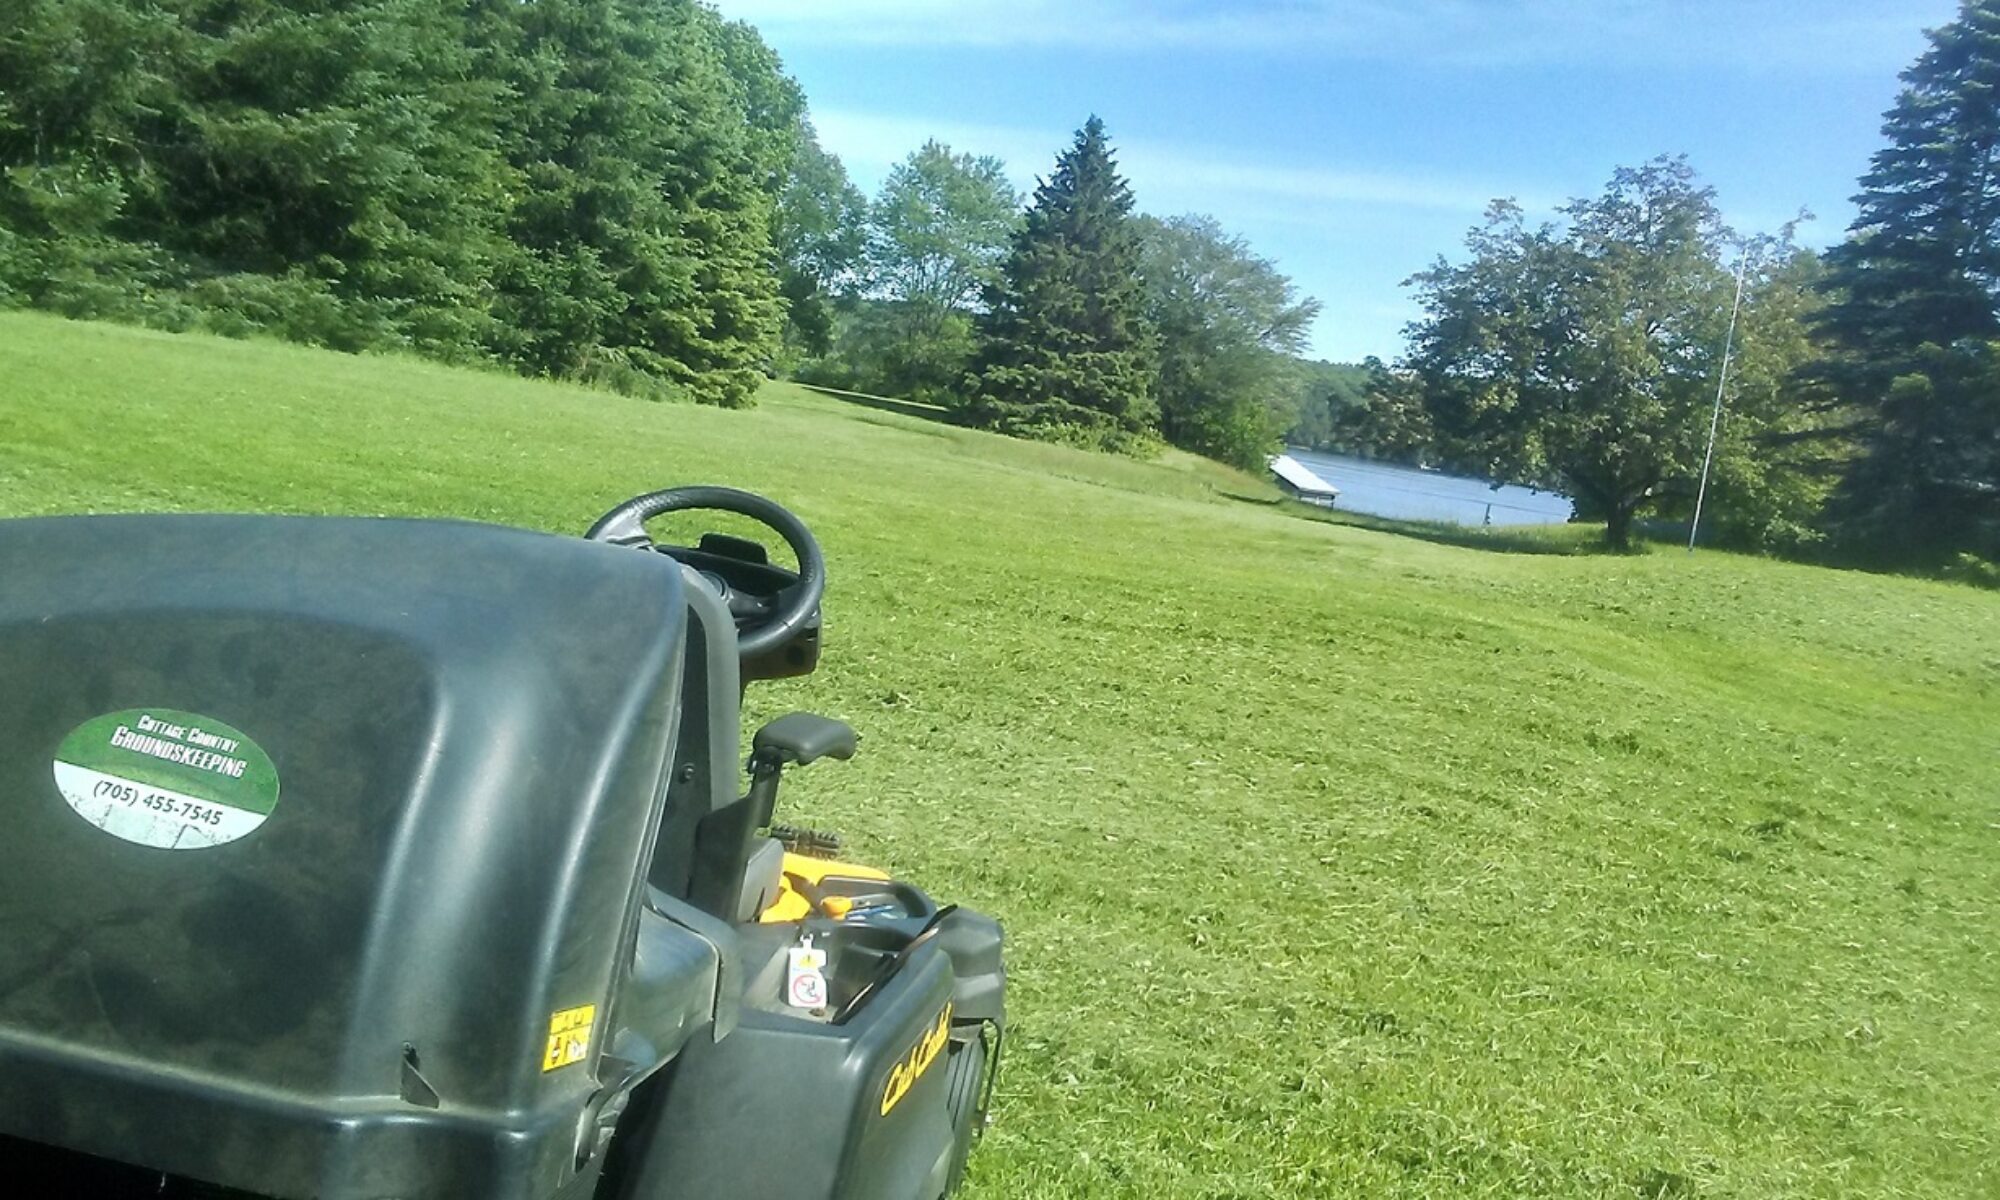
(1334, 862)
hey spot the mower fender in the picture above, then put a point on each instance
(720, 937)
(670, 993)
(791, 1108)
(973, 941)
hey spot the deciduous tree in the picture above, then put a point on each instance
(1586, 355)
(1327, 391)
(822, 236)
(1228, 323)
(937, 233)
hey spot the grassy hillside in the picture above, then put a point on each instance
(1333, 862)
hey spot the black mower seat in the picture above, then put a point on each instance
(314, 827)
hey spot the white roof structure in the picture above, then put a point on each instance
(1299, 477)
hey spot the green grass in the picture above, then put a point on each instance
(1334, 862)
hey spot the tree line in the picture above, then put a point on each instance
(621, 192)
(587, 189)
(1067, 316)
(631, 193)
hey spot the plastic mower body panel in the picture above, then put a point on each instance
(358, 859)
(468, 727)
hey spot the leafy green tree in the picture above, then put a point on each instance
(1326, 391)
(936, 235)
(1065, 351)
(940, 227)
(769, 103)
(1912, 326)
(1776, 458)
(822, 240)
(1388, 419)
(1229, 324)
(1586, 356)
(818, 218)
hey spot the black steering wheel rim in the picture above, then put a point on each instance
(625, 525)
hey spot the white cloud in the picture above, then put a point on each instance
(1169, 177)
(1761, 35)
(1183, 169)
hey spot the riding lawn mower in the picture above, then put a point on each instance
(371, 859)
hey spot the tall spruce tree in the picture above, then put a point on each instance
(1065, 353)
(643, 211)
(1912, 329)
(327, 172)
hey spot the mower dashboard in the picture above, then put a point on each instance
(776, 611)
(735, 567)
(753, 587)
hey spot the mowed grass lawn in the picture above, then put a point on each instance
(1333, 862)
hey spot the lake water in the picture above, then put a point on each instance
(1406, 494)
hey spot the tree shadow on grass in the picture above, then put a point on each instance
(889, 404)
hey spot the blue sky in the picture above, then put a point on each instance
(1355, 142)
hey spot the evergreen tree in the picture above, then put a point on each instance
(1912, 327)
(327, 172)
(583, 188)
(1065, 352)
(644, 213)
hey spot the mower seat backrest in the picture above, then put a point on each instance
(704, 839)
(709, 849)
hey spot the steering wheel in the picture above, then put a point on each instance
(763, 622)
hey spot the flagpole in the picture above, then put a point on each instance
(1722, 381)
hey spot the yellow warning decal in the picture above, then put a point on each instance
(569, 1036)
(904, 1075)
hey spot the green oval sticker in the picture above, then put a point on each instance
(165, 778)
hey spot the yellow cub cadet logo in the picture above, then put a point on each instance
(904, 1075)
